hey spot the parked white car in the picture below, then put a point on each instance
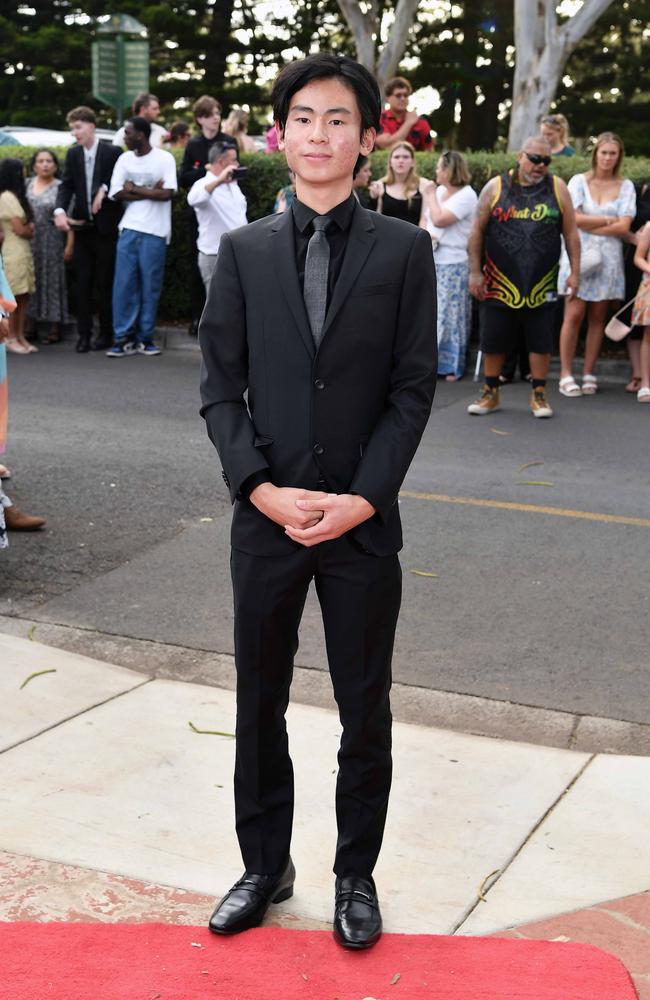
(25, 135)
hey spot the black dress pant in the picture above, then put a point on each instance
(94, 267)
(197, 287)
(359, 597)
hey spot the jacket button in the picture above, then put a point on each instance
(318, 449)
(319, 383)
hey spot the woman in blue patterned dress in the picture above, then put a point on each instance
(605, 206)
(448, 211)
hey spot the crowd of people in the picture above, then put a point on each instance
(527, 246)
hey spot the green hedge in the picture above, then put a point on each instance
(267, 174)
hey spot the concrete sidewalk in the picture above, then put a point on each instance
(114, 807)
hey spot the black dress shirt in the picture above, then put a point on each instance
(337, 237)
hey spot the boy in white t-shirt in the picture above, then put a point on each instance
(144, 179)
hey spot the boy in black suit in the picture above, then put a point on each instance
(325, 315)
(86, 179)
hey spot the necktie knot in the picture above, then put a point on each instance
(320, 223)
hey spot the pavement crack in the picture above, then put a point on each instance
(540, 822)
(76, 715)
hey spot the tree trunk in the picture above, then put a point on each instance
(543, 48)
(219, 46)
(365, 31)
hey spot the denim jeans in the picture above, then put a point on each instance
(139, 270)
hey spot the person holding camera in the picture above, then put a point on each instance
(218, 203)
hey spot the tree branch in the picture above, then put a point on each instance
(363, 27)
(394, 48)
(577, 26)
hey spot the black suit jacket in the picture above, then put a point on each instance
(345, 418)
(73, 184)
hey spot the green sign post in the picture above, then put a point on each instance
(120, 64)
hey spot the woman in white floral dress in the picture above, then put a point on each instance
(448, 210)
(605, 205)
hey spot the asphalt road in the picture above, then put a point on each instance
(527, 606)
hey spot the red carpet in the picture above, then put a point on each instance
(61, 961)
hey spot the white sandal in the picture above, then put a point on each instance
(569, 386)
(589, 385)
(643, 395)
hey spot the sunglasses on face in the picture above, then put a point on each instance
(536, 159)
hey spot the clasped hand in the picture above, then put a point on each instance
(309, 516)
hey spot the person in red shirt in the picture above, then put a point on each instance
(398, 123)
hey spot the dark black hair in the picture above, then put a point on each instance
(359, 165)
(140, 125)
(325, 66)
(178, 131)
(51, 153)
(12, 178)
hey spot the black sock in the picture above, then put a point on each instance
(539, 383)
(492, 381)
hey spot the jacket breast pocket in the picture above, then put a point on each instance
(386, 289)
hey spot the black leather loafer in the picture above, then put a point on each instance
(82, 346)
(357, 920)
(246, 904)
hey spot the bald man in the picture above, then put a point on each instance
(514, 253)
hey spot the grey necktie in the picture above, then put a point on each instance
(316, 272)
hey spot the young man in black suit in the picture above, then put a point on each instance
(86, 178)
(326, 317)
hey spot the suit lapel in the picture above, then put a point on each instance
(283, 251)
(361, 240)
(94, 184)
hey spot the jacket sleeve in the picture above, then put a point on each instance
(189, 172)
(224, 374)
(65, 190)
(395, 438)
(111, 155)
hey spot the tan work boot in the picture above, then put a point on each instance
(487, 403)
(15, 520)
(538, 403)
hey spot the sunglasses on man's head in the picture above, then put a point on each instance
(536, 159)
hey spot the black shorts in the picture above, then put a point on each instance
(500, 327)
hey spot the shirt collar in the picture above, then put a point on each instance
(92, 151)
(341, 214)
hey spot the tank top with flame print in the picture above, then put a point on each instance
(522, 244)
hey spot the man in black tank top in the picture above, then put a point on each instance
(514, 253)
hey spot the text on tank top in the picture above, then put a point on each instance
(522, 244)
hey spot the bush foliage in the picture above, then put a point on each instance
(267, 174)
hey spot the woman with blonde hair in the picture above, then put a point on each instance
(448, 212)
(399, 192)
(236, 125)
(555, 128)
(605, 205)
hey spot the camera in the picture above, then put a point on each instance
(238, 173)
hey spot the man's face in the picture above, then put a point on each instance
(398, 101)
(529, 171)
(132, 138)
(229, 159)
(83, 132)
(210, 124)
(150, 111)
(322, 137)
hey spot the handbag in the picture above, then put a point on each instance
(591, 256)
(616, 329)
